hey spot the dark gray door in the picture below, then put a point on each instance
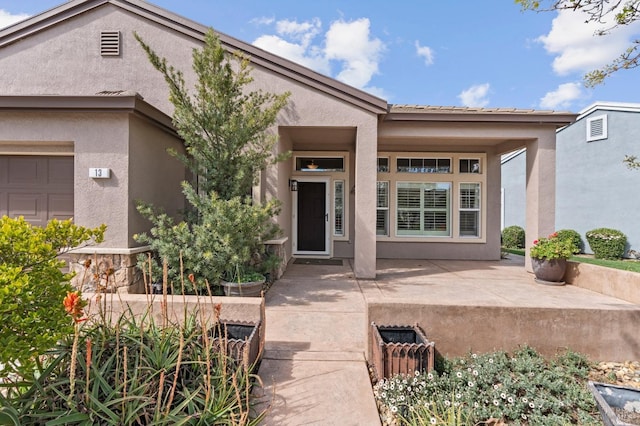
(311, 216)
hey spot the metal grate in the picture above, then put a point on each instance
(110, 43)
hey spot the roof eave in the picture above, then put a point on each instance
(556, 119)
(130, 103)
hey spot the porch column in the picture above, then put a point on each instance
(365, 200)
(541, 190)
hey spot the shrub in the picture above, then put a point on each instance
(553, 247)
(518, 388)
(607, 243)
(133, 371)
(513, 237)
(32, 287)
(574, 236)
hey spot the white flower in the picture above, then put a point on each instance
(474, 356)
(476, 404)
(496, 402)
(429, 376)
(401, 398)
(490, 360)
(524, 417)
(532, 405)
(496, 387)
(470, 384)
(524, 399)
(475, 372)
(394, 409)
(456, 404)
(459, 374)
(503, 395)
(458, 395)
(510, 399)
(433, 421)
(447, 402)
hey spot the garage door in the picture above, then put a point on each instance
(39, 188)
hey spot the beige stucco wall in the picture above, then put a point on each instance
(154, 175)
(99, 140)
(102, 140)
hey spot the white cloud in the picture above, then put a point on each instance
(475, 96)
(263, 20)
(351, 44)
(7, 18)
(425, 52)
(562, 97)
(578, 49)
(300, 53)
(348, 45)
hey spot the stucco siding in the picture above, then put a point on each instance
(514, 185)
(154, 175)
(100, 140)
(594, 188)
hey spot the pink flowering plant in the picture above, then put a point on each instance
(553, 247)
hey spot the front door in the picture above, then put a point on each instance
(312, 218)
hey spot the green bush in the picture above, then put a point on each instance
(228, 235)
(513, 237)
(574, 236)
(32, 287)
(607, 243)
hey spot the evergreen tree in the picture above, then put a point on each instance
(225, 127)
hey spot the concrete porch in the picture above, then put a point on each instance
(483, 306)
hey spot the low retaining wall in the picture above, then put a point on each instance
(610, 335)
(620, 284)
(238, 309)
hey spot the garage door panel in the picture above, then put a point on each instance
(25, 171)
(60, 206)
(36, 187)
(60, 171)
(30, 206)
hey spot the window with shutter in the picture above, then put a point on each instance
(423, 209)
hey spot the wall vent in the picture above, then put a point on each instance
(110, 43)
(597, 128)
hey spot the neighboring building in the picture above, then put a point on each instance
(373, 180)
(594, 188)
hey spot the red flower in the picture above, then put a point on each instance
(535, 242)
(74, 305)
(554, 235)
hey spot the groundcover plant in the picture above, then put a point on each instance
(522, 388)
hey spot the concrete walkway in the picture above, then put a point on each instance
(313, 368)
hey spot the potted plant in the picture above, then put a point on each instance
(549, 258)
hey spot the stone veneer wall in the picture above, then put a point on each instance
(105, 272)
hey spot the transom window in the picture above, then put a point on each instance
(469, 165)
(423, 165)
(320, 164)
(423, 208)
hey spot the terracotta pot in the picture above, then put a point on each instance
(250, 289)
(549, 271)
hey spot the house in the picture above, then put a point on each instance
(594, 188)
(85, 124)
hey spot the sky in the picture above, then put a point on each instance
(471, 53)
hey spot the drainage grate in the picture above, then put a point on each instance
(305, 261)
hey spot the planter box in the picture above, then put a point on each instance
(243, 341)
(400, 350)
(618, 405)
(247, 289)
